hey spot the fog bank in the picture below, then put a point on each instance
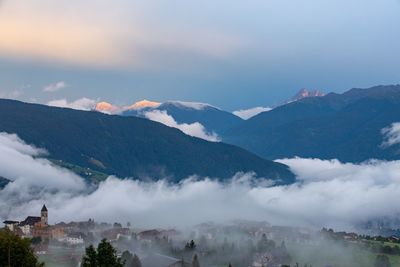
(327, 193)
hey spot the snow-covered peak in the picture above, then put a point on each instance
(303, 93)
(143, 104)
(106, 107)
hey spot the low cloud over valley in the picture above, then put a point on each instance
(327, 193)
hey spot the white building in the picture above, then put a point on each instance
(11, 225)
(73, 239)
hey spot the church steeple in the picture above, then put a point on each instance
(44, 218)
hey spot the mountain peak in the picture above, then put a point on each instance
(106, 107)
(304, 93)
(143, 104)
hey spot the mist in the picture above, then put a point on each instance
(327, 193)
(391, 135)
(195, 129)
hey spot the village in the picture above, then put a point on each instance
(239, 243)
(63, 244)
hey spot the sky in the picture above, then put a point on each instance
(231, 54)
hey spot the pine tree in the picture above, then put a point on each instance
(90, 258)
(105, 256)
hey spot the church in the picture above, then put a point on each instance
(35, 226)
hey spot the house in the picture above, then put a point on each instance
(73, 239)
(11, 225)
(148, 235)
(57, 231)
(27, 225)
(116, 233)
(350, 236)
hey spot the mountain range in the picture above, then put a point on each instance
(344, 126)
(214, 119)
(348, 126)
(128, 146)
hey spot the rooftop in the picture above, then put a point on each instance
(10, 222)
(30, 220)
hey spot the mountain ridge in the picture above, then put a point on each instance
(345, 126)
(212, 118)
(129, 146)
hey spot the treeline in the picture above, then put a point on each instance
(16, 251)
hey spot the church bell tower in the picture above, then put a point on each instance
(44, 218)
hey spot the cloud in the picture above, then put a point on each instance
(54, 87)
(251, 112)
(391, 135)
(194, 129)
(190, 105)
(14, 94)
(21, 163)
(97, 36)
(79, 104)
(335, 193)
(327, 193)
(33, 178)
(13, 142)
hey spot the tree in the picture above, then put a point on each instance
(195, 261)
(105, 256)
(90, 258)
(15, 251)
(36, 240)
(382, 261)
